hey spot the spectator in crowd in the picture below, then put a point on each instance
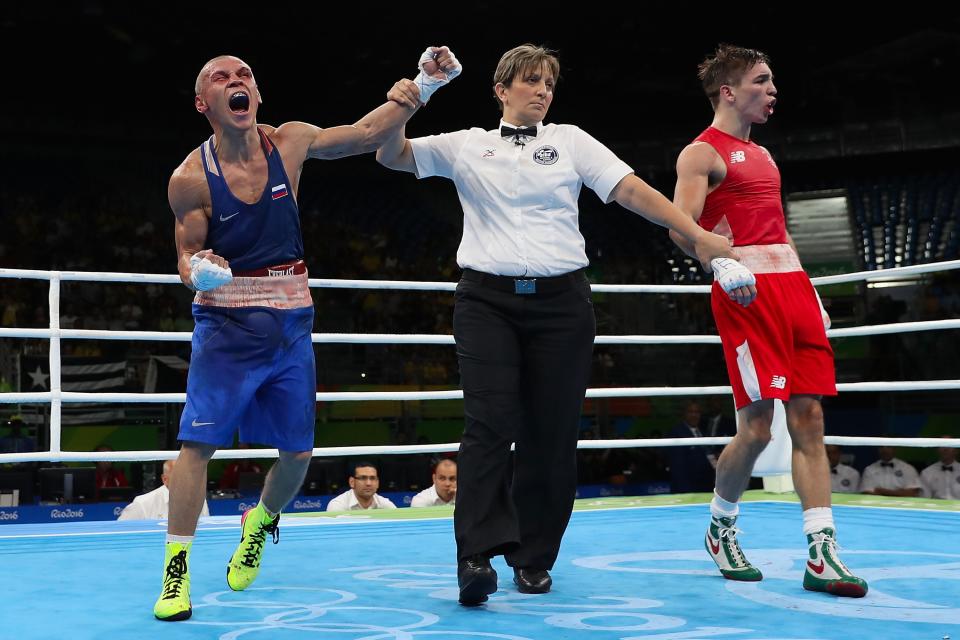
(890, 476)
(362, 494)
(15, 441)
(109, 476)
(843, 478)
(692, 469)
(715, 422)
(155, 504)
(444, 488)
(942, 479)
(230, 480)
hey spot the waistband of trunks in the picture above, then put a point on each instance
(277, 292)
(769, 258)
(276, 271)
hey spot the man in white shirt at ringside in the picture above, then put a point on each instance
(156, 504)
(890, 476)
(444, 488)
(941, 480)
(843, 477)
(364, 483)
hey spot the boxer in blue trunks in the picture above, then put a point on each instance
(240, 248)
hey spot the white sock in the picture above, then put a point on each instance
(817, 519)
(720, 508)
(180, 539)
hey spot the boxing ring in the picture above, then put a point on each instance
(629, 568)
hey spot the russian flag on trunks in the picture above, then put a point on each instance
(279, 191)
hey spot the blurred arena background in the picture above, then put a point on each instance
(98, 110)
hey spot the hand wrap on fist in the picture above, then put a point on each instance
(204, 275)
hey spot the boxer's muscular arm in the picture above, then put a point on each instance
(189, 199)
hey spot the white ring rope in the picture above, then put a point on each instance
(56, 396)
(431, 338)
(896, 273)
(457, 394)
(449, 447)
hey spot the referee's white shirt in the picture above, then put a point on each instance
(520, 215)
(429, 498)
(941, 483)
(898, 475)
(347, 501)
(844, 479)
(154, 505)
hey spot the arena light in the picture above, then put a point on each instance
(886, 283)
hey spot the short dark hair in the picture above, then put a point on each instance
(362, 463)
(521, 60)
(726, 67)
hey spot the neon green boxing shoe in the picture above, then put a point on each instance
(825, 572)
(245, 563)
(722, 545)
(174, 601)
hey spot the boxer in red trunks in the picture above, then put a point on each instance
(776, 347)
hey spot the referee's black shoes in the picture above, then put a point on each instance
(532, 580)
(477, 580)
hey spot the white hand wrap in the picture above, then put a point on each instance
(731, 274)
(204, 275)
(823, 312)
(427, 83)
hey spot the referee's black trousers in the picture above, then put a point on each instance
(524, 365)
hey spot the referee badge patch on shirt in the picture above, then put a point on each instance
(546, 155)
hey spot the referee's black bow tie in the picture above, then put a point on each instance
(947, 467)
(510, 132)
(886, 464)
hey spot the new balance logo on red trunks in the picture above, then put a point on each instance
(737, 156)
(778, 382)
